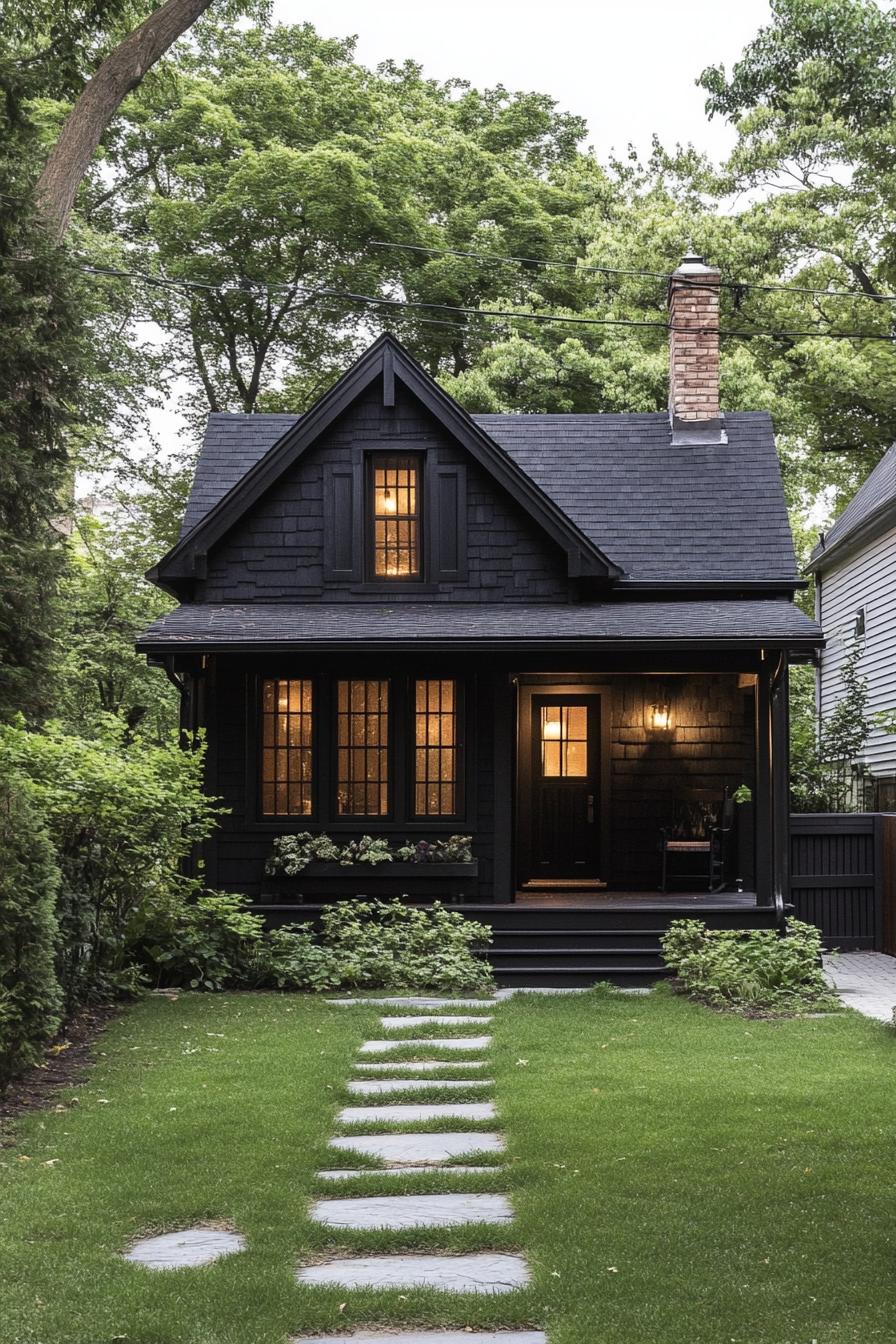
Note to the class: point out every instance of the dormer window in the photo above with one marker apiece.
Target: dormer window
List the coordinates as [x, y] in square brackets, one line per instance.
[395, 515]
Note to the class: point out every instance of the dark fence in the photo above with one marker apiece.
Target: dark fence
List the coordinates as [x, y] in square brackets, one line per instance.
[842, 872]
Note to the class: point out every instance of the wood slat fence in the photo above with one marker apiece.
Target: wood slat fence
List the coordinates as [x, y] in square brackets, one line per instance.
[843, 877]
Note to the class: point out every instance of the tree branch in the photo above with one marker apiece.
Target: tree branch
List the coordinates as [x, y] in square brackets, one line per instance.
[118, 75]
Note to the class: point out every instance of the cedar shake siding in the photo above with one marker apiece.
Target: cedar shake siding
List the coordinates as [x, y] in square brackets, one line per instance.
[280, 551]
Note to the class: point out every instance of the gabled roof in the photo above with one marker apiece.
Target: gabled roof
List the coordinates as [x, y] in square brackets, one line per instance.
[871, 509]
[751, 623]
[385, 360]
[693, 514]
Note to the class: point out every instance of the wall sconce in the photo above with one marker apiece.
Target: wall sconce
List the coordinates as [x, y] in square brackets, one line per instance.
[550, 729]
[660, 716]
[388, 503]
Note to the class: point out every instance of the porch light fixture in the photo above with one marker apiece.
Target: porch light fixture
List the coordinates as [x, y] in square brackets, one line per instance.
[660, 716]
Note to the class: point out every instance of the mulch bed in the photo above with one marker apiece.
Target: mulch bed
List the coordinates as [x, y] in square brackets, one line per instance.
[65, 1065]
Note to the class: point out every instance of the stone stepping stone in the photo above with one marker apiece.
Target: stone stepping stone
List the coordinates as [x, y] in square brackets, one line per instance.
[187, 1249]
[394, 1212]
[412, 1001]
[446, 1043]
[420, 1065]
[399, 1023]
[423, 1336]
[371, 1087]
[485, 1272]
[349, 1173]
[431, 1149]
[445, 1110]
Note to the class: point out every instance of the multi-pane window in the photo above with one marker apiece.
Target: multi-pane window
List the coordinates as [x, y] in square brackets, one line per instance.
[396, 516]
[287, 754]
[435, 748]
[564, 741]
[362, 748]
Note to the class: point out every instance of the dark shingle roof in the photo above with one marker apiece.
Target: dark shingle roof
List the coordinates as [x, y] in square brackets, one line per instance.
[744, 622]
[658, 511]
[872, 497]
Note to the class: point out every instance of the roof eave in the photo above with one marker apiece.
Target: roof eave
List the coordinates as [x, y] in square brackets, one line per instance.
[842, 547]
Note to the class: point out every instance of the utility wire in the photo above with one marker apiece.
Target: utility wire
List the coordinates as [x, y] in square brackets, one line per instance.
[573, 264]
[348, 296]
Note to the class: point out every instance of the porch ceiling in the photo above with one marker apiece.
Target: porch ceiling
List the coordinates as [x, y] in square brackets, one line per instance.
[736, 624]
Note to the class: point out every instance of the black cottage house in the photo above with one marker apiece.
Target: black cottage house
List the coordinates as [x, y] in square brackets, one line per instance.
[567, 636]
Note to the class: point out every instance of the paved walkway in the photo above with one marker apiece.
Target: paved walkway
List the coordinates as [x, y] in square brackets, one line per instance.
[865, 981]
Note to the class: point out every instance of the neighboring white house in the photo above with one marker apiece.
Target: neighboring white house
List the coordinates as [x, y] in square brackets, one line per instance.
[855, 572]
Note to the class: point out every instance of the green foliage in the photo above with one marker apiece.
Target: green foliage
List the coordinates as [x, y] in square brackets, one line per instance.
[106, 604]
[215, 943]
[30, 1000]
[387, 944]
[293, 853]
[822, 758]
[749, 969]
[211, 942]
[122, 817]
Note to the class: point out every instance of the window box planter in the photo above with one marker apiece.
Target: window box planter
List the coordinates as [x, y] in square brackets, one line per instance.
[449, 882]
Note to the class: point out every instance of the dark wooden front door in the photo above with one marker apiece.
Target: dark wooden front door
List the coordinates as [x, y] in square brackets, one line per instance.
[564, 788]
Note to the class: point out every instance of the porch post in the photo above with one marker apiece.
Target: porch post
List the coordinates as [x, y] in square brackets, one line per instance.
[780, 710]
[764, 789]
[503, 696]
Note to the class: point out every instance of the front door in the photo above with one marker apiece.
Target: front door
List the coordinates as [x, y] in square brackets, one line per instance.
[563, 783]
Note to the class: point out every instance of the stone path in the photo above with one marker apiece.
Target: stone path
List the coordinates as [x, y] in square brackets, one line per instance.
[429, 1337]
[865, 981]
[431, 1043]
[184, 1250]
[423, 1150]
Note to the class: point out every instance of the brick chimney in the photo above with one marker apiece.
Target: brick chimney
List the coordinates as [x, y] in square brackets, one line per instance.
[694, 353]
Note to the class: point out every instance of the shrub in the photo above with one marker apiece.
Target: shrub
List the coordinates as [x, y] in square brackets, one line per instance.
[122, 817]
[387, 944]
[30, 1000]
[749, 968]
[212, 942]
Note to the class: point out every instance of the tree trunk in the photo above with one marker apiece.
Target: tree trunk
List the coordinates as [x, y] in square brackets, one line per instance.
[119, 74]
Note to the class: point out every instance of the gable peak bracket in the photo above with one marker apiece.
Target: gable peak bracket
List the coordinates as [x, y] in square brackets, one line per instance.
[388, 377]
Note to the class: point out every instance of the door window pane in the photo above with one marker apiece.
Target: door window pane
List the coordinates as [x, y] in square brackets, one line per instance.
[435, 748]
[362, 745]
[286, 748]
[564, 741]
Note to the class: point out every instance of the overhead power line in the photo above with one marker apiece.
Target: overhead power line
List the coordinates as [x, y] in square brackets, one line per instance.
[576, 265]
[349, 296]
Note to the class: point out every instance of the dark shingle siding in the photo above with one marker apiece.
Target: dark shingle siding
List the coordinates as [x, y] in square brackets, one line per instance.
[659, 512]
[275, 553]
[322, 623]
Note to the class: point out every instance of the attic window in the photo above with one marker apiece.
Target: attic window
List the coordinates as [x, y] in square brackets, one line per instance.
[396, 516]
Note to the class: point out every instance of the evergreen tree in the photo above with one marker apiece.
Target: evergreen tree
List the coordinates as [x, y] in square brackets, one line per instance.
[29, 878]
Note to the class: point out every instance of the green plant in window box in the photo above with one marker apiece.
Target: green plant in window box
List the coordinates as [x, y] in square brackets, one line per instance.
[293, 853]
[366, 850]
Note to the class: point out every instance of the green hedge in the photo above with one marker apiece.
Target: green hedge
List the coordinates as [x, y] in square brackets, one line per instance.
[30, 998]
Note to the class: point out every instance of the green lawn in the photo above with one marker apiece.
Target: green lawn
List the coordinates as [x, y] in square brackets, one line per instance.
[680, 1177]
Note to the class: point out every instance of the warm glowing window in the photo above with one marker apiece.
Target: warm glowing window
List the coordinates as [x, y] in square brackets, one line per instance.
[362, 740]
[396, 517]
[286, 754]
[564, 741]
[435, 748]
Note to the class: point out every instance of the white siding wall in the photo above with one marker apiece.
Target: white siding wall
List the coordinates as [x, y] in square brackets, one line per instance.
[866, 579]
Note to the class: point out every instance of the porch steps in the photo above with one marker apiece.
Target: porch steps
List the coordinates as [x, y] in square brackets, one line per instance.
[571, 946]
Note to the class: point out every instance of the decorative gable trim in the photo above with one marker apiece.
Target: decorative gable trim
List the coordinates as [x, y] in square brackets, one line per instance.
[386, 359]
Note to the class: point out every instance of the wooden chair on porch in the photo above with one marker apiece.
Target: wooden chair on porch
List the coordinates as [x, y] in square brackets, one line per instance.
[699, 831]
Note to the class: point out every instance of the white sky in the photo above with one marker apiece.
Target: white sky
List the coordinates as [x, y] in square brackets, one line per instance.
[629, 68]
